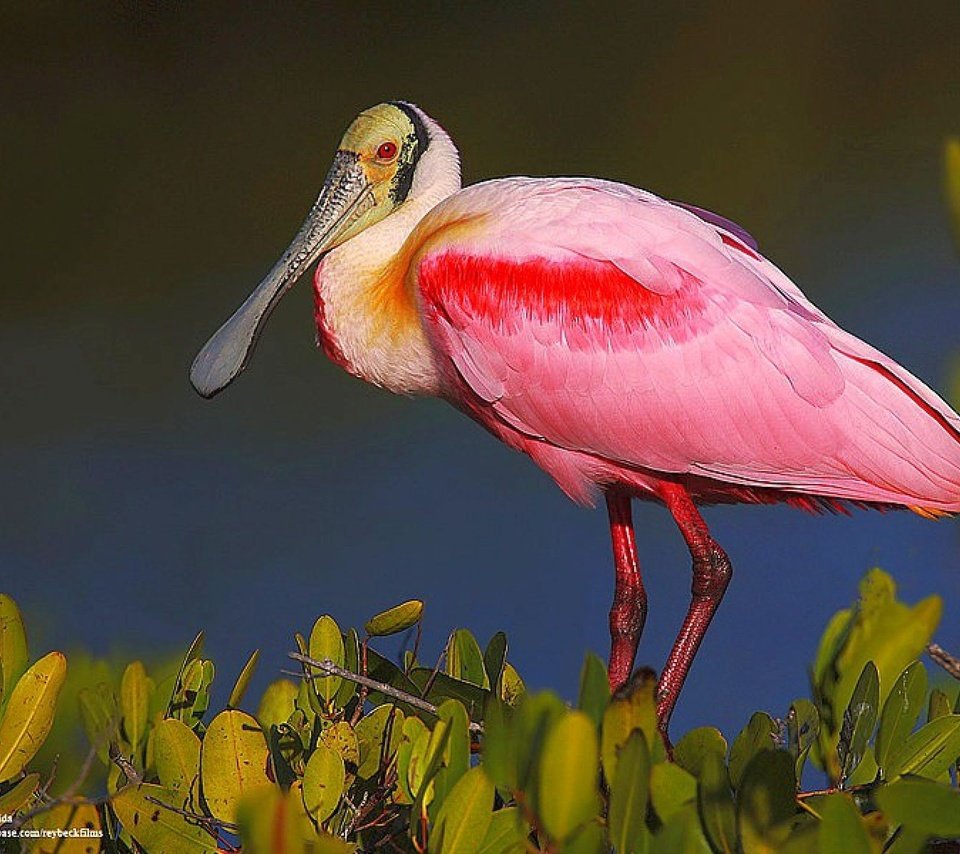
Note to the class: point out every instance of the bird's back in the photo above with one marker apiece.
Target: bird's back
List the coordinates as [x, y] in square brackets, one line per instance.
[616, 336]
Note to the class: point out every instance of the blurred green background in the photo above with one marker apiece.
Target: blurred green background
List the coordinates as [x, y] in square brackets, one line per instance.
[158, 156]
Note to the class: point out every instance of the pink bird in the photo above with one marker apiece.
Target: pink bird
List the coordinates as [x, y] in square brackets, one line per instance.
[631, 346]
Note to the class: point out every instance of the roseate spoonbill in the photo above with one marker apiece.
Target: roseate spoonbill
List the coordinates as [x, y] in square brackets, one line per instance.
[632, 346]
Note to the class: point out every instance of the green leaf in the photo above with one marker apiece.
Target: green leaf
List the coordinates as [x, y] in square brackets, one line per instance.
[671, 790]
[629, 795]
[682, 833]
[879, 629]
[456, 754]
[841, 828]
[243, 680]
[500, 749]
[382, 722]
[326, 642]
[443, 687]
[900, 712]
[13, 647]
[766, 801]
[413, 730]
[939, 705]
[399, 618]
[859, 719]
[233, 762]
[465, 815]
[803, 726]
[567, 796]
[143, 812]
[594, 688]
[351, 661]
[323, 783]
[715, 802]
[464, 659]
[691, 751]
[921, 804]
[136, 688]
[631, 708]
[930, 751]
[590, 839]
[494, 657]
[507, 833]
[759, 734]
[277, 703]
[176, 754]
[100, 715]
[533, 719]
[29, 713]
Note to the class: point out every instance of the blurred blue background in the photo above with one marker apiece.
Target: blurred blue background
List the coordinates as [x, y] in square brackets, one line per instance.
[158, 157]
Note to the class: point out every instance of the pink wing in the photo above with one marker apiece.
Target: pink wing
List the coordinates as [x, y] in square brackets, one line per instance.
[608, 323]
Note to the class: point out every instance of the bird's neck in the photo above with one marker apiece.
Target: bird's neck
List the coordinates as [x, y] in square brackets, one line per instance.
[367, 317]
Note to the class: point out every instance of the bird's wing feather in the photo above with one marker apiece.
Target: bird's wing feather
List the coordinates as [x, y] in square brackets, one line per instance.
[606, 321]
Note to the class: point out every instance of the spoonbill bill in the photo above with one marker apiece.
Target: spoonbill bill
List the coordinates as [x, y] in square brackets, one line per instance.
[633, 347]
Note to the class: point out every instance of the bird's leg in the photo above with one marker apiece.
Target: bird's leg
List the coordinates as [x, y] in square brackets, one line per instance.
[629, 611]
[711, 575]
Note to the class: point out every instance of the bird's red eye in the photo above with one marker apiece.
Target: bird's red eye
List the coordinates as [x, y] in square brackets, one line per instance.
[387, 151]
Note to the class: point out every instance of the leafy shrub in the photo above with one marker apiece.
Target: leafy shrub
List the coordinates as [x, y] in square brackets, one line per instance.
[360, 753]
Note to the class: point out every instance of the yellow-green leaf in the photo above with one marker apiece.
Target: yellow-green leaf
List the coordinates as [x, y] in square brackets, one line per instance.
[176, 755]
[323, 781]
[634, 708]
[465, 660]
[143, 812]
[922, 805]
[68, 817]
[371, 730]
[29, 713]
[15, 798]
[594, 688]
[342, 739]
[465, 815]
[766, 802]
[233, 761]
[691, 751]
[569, 765]
[243, 680]
[277, 703]
[841, 828]
[275, 822]
[629, 794]
[930, 751]
[671, 789]
[135, 691]
[900, 712]
[506, 834]
[326, 642]
[511, 685]
[13, 646]
[399, 618]
[759, 734]
[716, 804]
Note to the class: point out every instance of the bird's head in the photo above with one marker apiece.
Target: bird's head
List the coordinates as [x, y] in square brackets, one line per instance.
[374, 171]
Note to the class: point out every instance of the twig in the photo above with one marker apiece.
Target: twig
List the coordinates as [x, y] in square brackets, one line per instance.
[208, 823]
[68, 796]
[125, 765]
[948, 662]
[329, 668]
